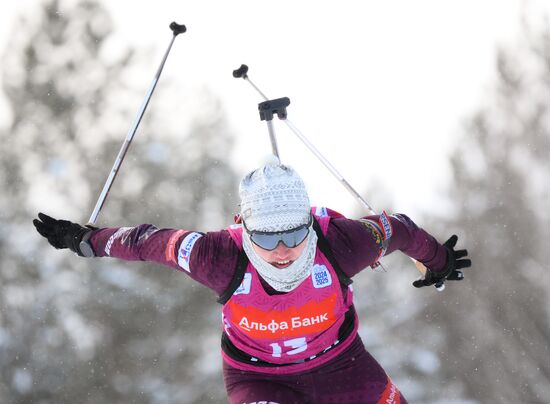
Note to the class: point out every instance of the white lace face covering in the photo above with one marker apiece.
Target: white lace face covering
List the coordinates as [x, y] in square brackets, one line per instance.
[289, 278]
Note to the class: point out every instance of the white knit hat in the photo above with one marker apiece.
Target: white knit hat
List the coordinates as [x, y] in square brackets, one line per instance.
[274, 198]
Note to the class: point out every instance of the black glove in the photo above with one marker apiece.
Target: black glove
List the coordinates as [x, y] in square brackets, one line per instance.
[62, 233]
[455, 262]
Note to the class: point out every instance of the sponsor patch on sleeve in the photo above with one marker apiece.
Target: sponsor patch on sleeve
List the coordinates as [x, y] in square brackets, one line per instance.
[186, 247]
[386, 225]
[374, 229]
[388, 231]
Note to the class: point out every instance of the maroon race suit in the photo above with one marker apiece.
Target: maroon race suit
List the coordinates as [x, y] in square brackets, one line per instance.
[342, 372]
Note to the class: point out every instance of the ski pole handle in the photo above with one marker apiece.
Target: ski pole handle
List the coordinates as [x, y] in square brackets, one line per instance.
[240, 72]
[177, 28]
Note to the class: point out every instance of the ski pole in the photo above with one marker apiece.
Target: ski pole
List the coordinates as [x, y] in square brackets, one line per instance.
[242, 72]
[176, 29]
[278, 106]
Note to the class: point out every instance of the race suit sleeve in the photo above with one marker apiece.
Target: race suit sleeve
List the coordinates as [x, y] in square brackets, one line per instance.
[209, 258]
[357, 244]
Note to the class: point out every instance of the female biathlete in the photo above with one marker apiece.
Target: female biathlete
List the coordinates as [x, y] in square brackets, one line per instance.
[283, 276]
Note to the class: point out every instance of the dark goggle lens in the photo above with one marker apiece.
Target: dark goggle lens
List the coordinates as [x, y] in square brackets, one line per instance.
[270, 241]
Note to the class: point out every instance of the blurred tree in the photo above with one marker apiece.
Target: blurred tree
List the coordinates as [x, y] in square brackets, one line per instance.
[496, 322]
[89, 331]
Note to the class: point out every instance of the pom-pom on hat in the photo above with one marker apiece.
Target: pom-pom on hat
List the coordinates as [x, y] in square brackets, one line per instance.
[274, 198]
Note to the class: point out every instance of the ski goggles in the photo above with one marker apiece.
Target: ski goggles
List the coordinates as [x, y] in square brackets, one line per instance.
[270, 240]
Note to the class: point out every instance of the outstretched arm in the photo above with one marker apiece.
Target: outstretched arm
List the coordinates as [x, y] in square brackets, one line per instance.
[209, 258]
[357, 244]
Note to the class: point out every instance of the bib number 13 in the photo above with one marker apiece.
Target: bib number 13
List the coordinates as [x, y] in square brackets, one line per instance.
[298, 345]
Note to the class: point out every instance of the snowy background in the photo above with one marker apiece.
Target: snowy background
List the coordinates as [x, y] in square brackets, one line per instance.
[434, 109]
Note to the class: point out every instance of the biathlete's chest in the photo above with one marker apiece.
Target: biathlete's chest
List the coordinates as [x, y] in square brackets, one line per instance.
[311, 308]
